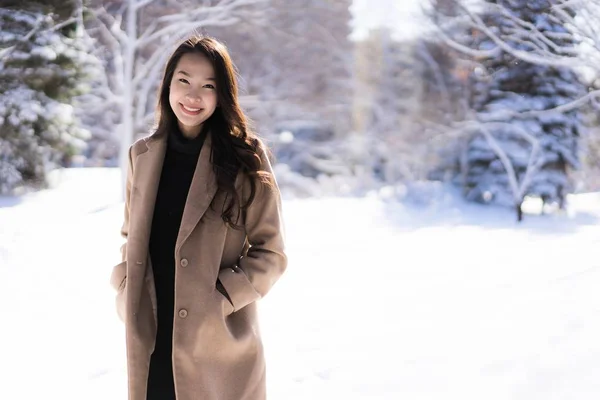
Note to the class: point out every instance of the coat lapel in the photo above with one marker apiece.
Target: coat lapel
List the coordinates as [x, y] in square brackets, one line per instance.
[202, 191]
[148, 168]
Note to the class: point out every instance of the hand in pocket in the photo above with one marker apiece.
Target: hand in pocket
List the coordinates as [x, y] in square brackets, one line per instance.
[227, 299]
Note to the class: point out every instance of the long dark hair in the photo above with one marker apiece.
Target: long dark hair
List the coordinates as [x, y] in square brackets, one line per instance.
[234, 146]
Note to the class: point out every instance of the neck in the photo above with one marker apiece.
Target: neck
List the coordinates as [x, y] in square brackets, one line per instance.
[181, 144]
[190, 132]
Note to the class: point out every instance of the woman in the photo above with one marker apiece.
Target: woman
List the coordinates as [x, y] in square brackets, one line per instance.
[204, 238]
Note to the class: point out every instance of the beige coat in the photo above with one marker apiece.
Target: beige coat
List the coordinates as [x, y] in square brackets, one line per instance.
[217, 350]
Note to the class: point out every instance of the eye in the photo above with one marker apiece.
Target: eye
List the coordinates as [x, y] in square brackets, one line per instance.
[209, 85]
[182, 80]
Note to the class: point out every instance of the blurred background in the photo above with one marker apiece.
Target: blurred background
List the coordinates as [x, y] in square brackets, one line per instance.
[498, 98]
[439, 161]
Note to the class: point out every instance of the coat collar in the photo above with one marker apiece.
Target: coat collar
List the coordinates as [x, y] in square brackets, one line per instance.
[148, 169]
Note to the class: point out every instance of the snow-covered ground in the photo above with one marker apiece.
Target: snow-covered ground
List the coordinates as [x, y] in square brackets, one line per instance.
[381, 300]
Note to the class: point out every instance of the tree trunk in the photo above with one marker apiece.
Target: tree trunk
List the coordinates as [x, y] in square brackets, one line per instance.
[128, 95]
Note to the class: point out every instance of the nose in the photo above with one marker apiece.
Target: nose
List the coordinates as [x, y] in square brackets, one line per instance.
[193, 97]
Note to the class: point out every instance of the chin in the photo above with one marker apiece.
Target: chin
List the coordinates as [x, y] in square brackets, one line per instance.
[187, 121]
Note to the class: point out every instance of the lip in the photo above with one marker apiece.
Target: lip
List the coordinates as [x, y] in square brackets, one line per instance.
[189, 112]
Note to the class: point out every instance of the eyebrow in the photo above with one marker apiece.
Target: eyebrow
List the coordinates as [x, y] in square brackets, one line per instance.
[182, 72]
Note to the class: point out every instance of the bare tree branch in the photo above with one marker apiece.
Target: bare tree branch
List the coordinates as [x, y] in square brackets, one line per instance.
[134, 72]
[65, 23]
[4, 53]
[112, 24]
[518, 189]
[543, 47]
[465, 49]
[151, 77]
[507, 115]
[435, 68]
[205, 16]
[527, 56]
[141, 4]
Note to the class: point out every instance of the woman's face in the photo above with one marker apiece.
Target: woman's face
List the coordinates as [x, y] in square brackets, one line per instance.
[193, 93]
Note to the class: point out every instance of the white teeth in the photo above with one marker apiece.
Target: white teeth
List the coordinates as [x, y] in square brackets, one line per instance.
[191, 109]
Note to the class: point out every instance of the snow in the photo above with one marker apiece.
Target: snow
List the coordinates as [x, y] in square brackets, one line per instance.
[39, 128]
[44, 52]
[404, 18]
[382, 299]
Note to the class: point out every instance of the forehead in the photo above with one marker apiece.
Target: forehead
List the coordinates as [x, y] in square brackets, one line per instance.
[196, 65]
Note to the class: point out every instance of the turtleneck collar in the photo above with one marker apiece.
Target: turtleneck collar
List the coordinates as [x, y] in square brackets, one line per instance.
[176, 141]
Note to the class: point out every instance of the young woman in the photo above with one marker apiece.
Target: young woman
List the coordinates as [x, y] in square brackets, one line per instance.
[204, 239]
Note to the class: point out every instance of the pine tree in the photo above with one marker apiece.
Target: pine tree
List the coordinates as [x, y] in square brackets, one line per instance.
[507, 84]
[42, 63]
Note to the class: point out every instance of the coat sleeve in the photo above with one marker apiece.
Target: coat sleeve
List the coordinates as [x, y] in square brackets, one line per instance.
[266, 259]
[119, 272]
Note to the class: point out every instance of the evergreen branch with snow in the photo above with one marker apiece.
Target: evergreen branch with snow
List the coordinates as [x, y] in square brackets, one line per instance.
[528, 93]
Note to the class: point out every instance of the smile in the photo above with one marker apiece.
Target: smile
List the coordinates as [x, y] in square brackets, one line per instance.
[190, 111]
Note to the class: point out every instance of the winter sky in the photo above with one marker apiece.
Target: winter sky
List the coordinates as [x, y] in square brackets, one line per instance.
[403, 17]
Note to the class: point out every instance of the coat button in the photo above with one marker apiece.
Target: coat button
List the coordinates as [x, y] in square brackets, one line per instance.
[183, 313]
[184, 262]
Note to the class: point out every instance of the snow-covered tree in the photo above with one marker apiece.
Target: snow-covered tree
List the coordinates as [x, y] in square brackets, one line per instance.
[42, 65]
[586, 24]
[391, 88]
[312, 64]
[541, 149]
[135, 39]
[295, 63]
[526, 98]
[296, 79]
[404, 85]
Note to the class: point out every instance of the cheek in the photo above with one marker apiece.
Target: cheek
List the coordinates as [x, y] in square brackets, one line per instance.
[213, 99]
[173, 97]
[172, 91]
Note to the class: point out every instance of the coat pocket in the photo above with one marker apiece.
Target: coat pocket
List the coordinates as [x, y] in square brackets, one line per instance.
[118, 277]
[226, 306]
[118, 280]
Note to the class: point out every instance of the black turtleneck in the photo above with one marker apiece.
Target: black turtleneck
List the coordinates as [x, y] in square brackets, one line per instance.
[178, 169]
